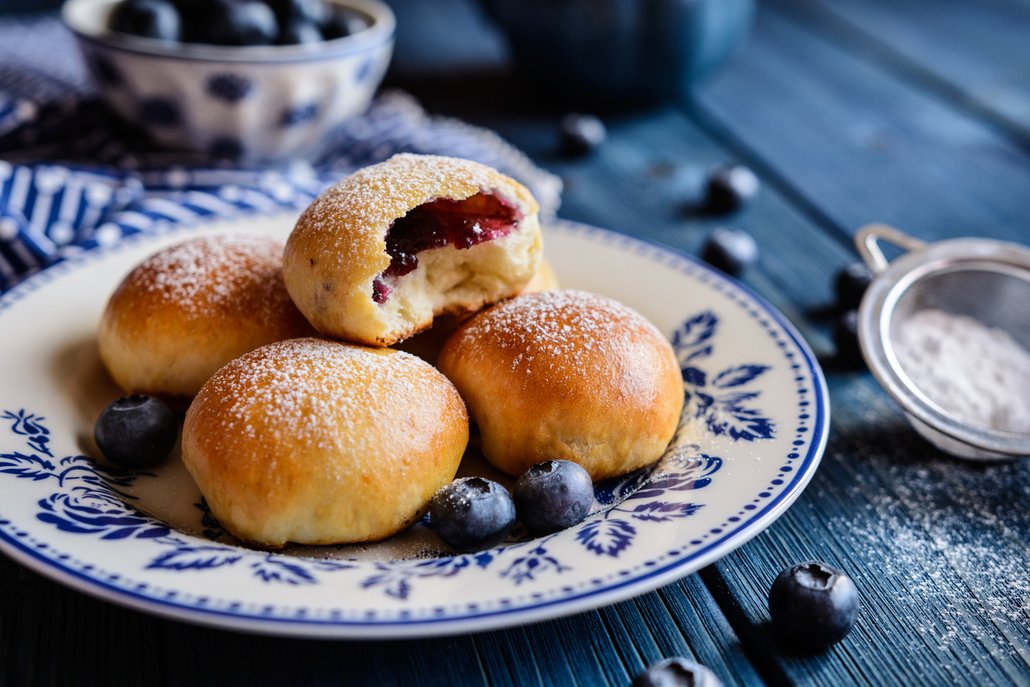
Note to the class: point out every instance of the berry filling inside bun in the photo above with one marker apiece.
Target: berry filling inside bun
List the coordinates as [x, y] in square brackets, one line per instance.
[439, 223]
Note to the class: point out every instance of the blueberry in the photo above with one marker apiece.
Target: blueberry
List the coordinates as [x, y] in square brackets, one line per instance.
[580, 134]
[342, 23]
[149, 18]
[136, 431]
[813, 605]
[245, 22]
[729, 188]
[851, 283]
[299, 32]
[677, 672]
[730, 250]
[553, 495]
[313, 11]
[845, 338]
[472, 513]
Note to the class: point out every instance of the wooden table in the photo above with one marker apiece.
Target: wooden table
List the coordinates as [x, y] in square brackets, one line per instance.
[915, 113]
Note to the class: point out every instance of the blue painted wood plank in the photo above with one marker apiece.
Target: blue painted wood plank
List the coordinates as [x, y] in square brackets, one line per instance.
[975, 53]
[863, 145]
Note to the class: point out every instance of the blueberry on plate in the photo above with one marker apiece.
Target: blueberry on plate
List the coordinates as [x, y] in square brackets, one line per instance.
[148, 18]
[729, 188]
[845, 338]
[245, 22]
[472, 513]
[851, 283]
[581, 133]
[341, 23]
[553, 495]
[730, 250]
[136, 431]
[813, 605]
[677, 672]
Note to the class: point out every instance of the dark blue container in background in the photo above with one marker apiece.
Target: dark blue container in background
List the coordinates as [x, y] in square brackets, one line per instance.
[622, 49]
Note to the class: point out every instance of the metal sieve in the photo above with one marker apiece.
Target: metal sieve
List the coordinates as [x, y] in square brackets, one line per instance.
[981, 278]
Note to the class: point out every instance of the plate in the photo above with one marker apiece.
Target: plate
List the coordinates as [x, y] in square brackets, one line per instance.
[753, 430]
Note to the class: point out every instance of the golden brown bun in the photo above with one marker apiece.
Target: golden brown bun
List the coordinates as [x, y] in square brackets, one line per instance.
[570, 375]
[190, 308]
[337, 254]
[318, 442]
[427, 344]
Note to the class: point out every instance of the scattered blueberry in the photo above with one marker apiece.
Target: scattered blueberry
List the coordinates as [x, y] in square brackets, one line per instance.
[342, 23]
[580, 134]
[851, 283]
[299, 32]
[553, 495]
[148, 18]
[245, 22]
[813, 605]
[677, 672]
[729, 188]
[136, 431]
[730, 250]
[472, 513]
[845, 338]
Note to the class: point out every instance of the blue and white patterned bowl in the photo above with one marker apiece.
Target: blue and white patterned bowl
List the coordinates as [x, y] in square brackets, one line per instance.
[254, 103]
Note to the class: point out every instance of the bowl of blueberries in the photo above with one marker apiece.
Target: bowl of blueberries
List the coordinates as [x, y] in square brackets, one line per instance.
[254, 81]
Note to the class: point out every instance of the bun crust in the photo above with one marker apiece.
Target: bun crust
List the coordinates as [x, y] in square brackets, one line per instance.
[190, 308]
[337, 256]
[318, 442]
[566, 374]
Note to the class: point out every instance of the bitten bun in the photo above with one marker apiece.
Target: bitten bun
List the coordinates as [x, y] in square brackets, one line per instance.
[570, 375]
[190, 308]
[378, 255]
[318, 442]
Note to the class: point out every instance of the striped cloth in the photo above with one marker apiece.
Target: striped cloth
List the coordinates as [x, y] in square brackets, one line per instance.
[70, 178]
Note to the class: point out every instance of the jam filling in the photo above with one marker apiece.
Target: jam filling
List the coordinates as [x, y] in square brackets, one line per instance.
[439, 223]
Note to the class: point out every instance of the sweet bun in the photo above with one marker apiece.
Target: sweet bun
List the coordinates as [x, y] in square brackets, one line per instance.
[378, 255]
[190, 308]
[319, 442]
[570, 375]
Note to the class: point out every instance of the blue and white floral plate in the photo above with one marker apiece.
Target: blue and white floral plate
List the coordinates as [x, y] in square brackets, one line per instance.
[754, 428]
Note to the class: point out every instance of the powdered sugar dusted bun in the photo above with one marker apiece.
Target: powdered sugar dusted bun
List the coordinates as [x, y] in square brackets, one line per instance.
[570, 375]
[190, 308]
[377, 256]
[319, 442]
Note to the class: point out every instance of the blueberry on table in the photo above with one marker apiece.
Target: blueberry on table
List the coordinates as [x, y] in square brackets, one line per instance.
[729, 188]
[813, 605]
[553, 495]
[472, 513]
[845, 338]
[238, 23]
[581, 134]
[136, 431]
[730, 250]
[149, 18]
[851, 283]
[677, 672]
[341, 23]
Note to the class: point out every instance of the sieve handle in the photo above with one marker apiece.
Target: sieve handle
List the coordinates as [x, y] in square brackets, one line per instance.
[868, 238]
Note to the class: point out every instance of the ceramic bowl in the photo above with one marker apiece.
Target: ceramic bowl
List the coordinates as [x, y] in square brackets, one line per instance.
[252, 103]
[619, 49]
